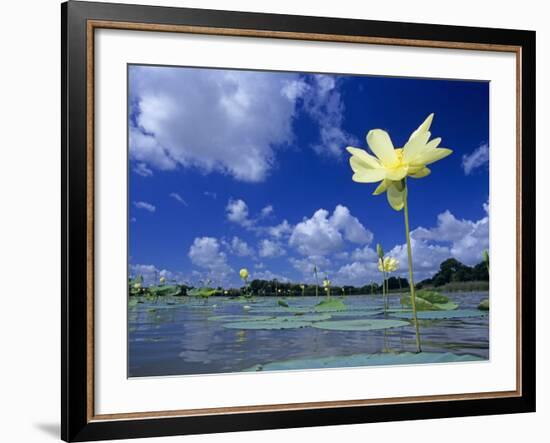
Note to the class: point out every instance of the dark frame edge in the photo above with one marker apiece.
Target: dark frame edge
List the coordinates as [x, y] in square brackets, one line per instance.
[74, 420]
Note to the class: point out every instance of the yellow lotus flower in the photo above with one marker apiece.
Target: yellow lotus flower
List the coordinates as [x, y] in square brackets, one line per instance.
[243, 273]
[162, 280]
[137, 285]
[389, 264]
[326, 283]
[390, 166]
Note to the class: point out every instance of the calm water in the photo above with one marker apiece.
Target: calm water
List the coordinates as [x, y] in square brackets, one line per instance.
[175, 336]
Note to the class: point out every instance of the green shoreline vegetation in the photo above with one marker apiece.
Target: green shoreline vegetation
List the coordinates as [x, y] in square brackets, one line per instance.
[453, 276]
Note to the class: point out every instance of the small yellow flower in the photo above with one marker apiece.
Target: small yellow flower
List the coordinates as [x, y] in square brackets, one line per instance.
[390, 166]
[389, 264]
[326, 283]
[162, 280]
[243, 273]
[137, 285]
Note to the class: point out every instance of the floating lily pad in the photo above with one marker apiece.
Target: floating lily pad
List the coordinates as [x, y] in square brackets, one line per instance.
[484, 305]
[359, 325]
[281, 310]
[357, 360]
[308, 317]
[425, 305]
[230, 318]
[358, 313]
[330, 304]
[278, 323]
[282, 303]
[437, 315]
[432, 296]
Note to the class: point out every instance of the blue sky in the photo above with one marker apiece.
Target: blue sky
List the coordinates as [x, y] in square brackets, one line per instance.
[232, 169]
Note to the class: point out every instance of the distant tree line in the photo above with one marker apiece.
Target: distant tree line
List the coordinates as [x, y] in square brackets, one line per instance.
[452, 271]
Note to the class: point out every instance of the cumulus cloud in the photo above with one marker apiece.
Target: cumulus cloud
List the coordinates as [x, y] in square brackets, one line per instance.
[306, 266]
[237, 212]
[178, 198]
[239, 247]
[214, 120]
[364, 254]
[217, 120]
[357, 273]
[144, 205]
[266, 211]
[269, 248]
[206, 253]
[281, 230]
[476, 159]
[465, 239]
[323, 234]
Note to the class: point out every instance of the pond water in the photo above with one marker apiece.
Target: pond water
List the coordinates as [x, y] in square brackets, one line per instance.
[186, 335]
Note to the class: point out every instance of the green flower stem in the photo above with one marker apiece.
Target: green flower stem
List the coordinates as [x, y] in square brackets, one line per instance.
[409, 254]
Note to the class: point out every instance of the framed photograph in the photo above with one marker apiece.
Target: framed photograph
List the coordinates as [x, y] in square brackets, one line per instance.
[277, 221]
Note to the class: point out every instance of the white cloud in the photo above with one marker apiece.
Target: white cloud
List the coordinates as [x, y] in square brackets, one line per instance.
[266, 211]
[281, 230]
[476, 159]
[144, 205]
[237, 212]
[323, 102]
[357, 273]
[239, 247]
[466, 239]
[178, 198]
[151, 274]
[205, 252]
[268, 248]
[307, 265]
[352, 228]
[268, 275]
[143, 170]
[365, 254]
[212, 195]
[426, 258]
[215, 120]
[322, 235]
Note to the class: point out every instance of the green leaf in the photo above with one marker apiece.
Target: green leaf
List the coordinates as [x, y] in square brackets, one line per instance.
[360, 325]
[282, 303]
[279, 323]
[238, 318]
[330, 304]
[484, 305]
[359, 360]
[437, 315]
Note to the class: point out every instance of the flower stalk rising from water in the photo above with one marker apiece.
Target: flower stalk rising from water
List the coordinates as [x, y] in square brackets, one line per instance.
[386, 265]
[391, 166]
[326, 285]
[243, 273]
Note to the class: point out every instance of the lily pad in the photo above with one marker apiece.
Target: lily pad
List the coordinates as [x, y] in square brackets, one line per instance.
[425, 305]
[358, 360]
[432, 296]
[278, 323]
[330, 304]
[484, 305]
[437, 315]
[230, 318]
[358, 313]
[359, 325]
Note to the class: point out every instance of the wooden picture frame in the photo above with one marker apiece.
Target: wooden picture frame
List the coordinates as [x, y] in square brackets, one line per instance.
[79, 22]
